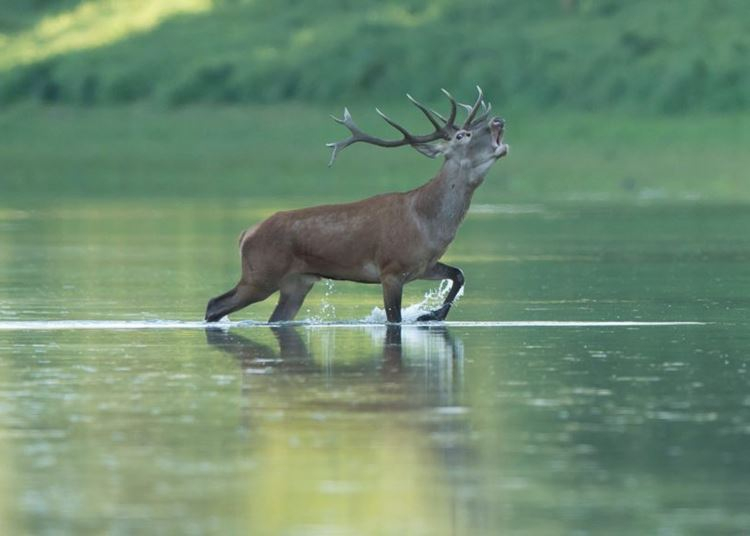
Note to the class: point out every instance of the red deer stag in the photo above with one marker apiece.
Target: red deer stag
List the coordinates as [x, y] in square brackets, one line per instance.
[391, 239]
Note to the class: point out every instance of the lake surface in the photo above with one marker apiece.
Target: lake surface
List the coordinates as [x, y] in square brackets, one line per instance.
[592, 379]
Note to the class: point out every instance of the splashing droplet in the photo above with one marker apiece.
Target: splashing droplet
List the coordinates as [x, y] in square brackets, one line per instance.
[432, 299]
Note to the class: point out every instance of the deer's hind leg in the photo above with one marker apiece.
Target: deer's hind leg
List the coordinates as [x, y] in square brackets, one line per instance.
[294, 288]
[240, 296]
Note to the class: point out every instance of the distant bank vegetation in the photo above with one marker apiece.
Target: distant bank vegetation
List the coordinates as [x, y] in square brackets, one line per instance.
[691, 55]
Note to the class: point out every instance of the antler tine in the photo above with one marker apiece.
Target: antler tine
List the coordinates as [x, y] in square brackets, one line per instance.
[474, 109]
[439, 116]
[486, 108]
[335, 148]
[428, 113]
[357, 135]
[402, 130]
[454, 109]
[411, 139]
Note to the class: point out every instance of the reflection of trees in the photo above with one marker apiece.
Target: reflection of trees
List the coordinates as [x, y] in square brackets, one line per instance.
[359, 445]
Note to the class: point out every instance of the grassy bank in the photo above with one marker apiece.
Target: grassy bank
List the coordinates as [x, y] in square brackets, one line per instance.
[278, 151]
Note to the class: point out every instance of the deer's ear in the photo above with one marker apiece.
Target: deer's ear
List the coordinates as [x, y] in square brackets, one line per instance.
[431, 150]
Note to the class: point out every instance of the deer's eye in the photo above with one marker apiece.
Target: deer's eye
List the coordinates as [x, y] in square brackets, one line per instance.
[459, 135]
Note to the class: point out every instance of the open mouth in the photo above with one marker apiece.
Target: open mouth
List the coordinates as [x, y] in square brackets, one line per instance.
[497, 130]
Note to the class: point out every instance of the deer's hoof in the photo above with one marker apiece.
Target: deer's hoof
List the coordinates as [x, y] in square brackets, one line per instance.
[436, 315]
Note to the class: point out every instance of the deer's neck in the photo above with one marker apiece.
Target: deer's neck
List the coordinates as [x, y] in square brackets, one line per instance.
[442, 203]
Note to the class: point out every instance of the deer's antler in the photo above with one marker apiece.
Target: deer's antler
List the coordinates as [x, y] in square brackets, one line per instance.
[486, 109]
[441, 131]
[473, 109]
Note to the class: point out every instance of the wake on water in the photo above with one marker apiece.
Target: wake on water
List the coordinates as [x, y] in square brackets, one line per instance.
[377, 318]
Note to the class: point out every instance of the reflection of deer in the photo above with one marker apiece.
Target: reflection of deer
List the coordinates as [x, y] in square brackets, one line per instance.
[374, 425]
[390, 239]
[293, 353]
[294, 357]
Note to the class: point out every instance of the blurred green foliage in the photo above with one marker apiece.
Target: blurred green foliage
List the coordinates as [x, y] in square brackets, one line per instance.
[584, 85]
[17, 15]
[584, 54]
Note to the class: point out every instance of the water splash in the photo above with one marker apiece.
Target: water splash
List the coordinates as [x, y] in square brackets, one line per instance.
[327, 311]
[432, 300]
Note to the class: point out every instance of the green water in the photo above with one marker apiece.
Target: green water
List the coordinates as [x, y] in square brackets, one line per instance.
[355, 429]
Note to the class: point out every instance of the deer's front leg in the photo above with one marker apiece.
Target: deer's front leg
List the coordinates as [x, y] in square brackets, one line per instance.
[393, 288]
[439, 272]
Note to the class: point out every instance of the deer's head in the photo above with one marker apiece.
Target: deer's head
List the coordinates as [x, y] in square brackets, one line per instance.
[476, 144]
